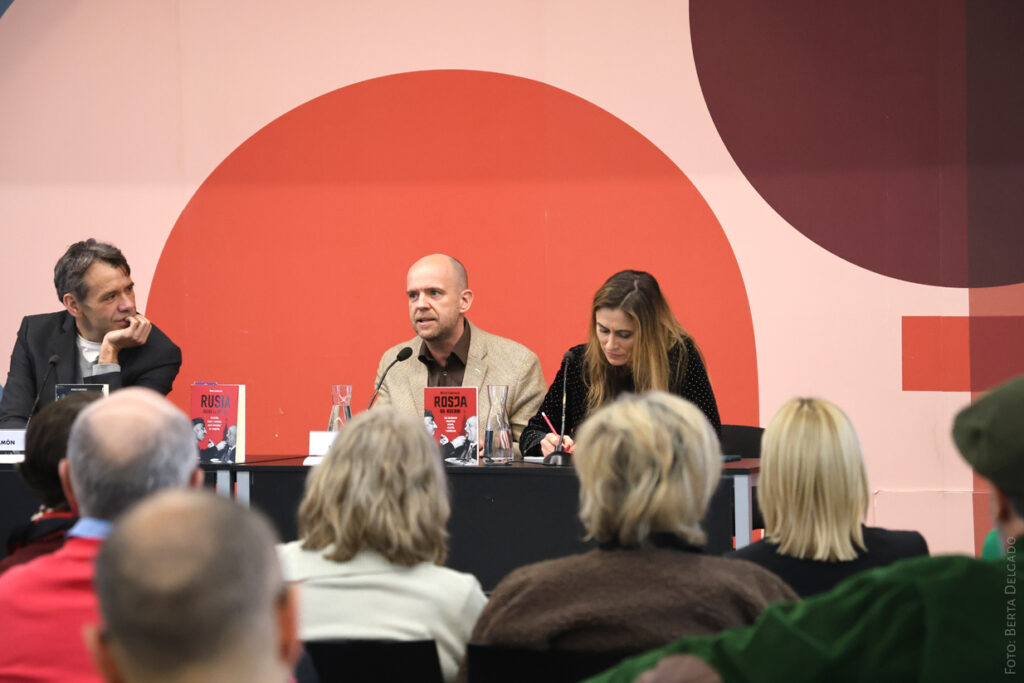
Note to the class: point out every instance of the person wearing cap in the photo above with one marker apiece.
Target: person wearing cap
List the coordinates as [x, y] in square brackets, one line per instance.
[949, 618]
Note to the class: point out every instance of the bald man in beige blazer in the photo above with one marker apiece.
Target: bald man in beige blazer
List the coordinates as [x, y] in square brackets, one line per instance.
[449, 351]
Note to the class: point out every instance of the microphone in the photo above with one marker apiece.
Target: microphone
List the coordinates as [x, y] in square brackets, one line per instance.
[52, 363]
[560, 456]
[404, 353]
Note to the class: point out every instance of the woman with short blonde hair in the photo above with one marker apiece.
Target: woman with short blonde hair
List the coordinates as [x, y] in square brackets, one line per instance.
[813, 495]
[648, 466]
[373, 532]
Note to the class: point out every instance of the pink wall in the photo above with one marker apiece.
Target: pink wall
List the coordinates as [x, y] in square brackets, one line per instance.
[116, 112]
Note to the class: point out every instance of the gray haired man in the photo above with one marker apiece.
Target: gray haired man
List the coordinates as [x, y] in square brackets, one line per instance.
[121, 449]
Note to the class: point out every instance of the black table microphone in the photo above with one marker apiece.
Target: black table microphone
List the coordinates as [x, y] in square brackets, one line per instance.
[561, 457]
[54, 359]
[404, 353]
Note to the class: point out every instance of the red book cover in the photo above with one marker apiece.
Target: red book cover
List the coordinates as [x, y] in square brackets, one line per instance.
[450, 416]
[218, 422]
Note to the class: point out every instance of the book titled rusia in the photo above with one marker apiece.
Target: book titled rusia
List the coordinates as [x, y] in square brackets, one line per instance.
[450, 416]
[218, 421]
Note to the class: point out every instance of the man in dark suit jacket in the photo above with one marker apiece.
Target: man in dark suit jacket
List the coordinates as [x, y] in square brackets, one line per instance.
[100, 337]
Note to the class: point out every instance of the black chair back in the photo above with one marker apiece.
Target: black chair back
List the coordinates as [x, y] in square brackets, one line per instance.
[741, 440]
[498, 664]
[745, 441]
[366, 661]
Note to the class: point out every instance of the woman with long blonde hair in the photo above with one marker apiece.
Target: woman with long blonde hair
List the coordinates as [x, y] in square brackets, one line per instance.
[813, 494]
[635, 343]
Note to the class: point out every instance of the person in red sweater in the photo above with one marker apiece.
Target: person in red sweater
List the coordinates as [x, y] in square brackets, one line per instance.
[121, 449]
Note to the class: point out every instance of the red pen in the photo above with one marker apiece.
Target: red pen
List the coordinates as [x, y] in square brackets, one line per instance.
[553, 430]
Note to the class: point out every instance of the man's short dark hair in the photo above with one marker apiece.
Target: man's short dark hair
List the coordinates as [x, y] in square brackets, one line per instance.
[198, 421]
[428, 413]
[46, 444]
[69, 273]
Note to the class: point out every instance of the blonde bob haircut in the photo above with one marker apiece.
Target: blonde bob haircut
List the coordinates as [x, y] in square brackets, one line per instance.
[381, 487]
[647, 464]
[814, 487]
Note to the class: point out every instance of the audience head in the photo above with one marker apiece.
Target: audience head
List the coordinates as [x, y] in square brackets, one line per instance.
[990, 435]
[381, 487]
[647, 464]
[814, 486]
[46, 444]
[189, 583]
[632, 327]
[123, 448]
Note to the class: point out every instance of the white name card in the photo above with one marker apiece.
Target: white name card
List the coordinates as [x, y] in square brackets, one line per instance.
[12, 440]
[320, 442]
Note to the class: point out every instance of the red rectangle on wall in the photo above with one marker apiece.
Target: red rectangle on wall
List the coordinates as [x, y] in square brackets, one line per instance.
[997, 350]
[936, 353]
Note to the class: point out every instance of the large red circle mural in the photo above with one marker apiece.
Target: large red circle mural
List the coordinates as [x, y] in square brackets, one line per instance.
[286, 270]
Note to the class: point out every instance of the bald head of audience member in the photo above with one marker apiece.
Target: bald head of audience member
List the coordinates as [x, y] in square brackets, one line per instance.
[123, 448]
[190, 589]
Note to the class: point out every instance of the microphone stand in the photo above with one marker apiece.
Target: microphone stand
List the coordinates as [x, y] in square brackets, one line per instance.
[402, 355]
[561, 457]
[52, 363]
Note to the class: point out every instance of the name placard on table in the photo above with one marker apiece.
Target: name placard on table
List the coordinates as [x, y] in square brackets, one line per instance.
[319, 444]
[12, 445]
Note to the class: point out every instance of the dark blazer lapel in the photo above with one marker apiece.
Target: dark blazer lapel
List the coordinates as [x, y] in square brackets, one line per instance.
[65, 344]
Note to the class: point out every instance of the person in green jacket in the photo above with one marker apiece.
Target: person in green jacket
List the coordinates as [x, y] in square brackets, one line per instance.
[946, 618]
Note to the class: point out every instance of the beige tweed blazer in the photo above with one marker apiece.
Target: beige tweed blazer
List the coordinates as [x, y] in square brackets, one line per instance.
[492, 360]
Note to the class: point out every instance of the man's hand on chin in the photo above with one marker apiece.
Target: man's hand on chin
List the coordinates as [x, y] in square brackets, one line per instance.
[135, 334]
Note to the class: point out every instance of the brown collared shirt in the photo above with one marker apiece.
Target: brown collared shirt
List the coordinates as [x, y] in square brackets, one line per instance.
[450, 374]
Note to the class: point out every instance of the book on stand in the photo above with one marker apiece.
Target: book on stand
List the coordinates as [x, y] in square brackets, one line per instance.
[218, 421]
[450, 416]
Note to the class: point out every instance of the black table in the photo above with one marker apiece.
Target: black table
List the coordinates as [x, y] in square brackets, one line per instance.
[502, 517]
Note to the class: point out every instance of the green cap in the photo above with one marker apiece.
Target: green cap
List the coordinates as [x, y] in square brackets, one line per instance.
[990, 435]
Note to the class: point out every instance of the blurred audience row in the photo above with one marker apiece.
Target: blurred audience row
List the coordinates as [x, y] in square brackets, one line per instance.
[186, 586]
